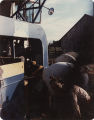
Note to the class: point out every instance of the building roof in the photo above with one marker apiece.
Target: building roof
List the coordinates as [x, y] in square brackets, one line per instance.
[80, 38]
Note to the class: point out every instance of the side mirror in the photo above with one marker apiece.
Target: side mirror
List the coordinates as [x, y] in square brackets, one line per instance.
[51, 11]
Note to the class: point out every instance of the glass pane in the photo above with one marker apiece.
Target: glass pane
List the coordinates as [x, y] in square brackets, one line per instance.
[32, 12]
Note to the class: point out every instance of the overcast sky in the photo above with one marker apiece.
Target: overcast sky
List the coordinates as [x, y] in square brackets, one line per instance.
[67, 13]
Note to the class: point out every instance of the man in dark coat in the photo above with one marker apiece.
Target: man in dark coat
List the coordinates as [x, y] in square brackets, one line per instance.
[63, 76]
[63, 70]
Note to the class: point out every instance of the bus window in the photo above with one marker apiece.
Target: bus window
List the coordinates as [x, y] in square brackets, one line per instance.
[37, 51]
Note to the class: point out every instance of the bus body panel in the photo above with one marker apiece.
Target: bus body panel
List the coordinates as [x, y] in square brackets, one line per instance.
[11, 75]
[15, 28]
